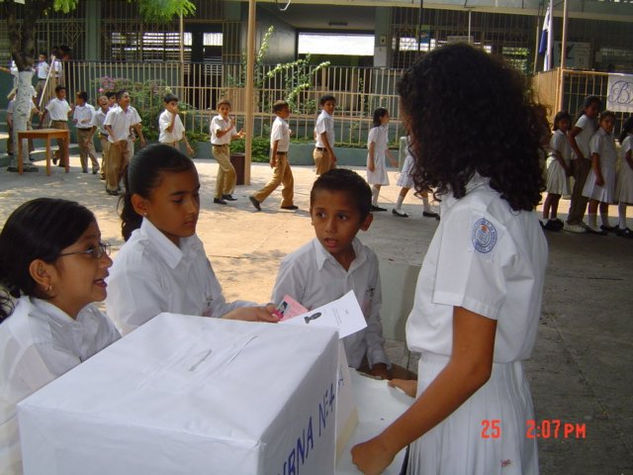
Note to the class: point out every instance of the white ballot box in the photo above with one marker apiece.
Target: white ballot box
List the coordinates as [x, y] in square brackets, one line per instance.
[190, 395]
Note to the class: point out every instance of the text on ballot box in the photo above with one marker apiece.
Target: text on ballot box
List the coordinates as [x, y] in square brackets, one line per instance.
[190, 395]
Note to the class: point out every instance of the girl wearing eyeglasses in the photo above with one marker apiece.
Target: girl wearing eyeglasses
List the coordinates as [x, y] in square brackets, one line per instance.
[52, 268]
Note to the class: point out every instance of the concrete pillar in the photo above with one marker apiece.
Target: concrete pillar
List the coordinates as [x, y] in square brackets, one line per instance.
[93, 30]
[382, 43]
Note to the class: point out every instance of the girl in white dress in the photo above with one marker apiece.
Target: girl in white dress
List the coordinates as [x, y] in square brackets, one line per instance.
[377, 143]
[478, 296]
[624, 191]
[558, 169]
[52, 267]
[600, 184]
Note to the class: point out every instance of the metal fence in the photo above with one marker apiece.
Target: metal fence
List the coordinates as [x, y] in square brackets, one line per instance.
[358, 91]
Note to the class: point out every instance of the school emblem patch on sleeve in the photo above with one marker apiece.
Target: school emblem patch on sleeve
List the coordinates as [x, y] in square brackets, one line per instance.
[484, 236]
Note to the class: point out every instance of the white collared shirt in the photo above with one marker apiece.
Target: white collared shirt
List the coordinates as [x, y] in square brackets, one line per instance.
[324, 123]
[121, 120]
[42, 69]
[280, 131]
[559, 143]
[176, 133]
[313, 277]
[98, 119]
[151, 275]
[40, 343]
[58, 110]
[217, 124]
[379, 136]
[84, 116]
[488, 259]
[583, 138]
[603, 144]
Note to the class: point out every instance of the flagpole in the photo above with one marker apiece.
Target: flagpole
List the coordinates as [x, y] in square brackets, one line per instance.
[563, 57]
[550, 37]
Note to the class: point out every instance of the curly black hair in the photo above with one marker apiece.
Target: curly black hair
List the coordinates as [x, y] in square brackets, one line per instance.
[468, 111]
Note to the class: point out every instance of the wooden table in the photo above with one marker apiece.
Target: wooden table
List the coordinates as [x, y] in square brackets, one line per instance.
[48, 135]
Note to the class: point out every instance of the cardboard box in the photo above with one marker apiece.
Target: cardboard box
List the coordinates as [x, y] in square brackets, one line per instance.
[190, 395]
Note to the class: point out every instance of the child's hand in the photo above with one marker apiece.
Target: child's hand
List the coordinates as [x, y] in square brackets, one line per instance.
[409, 386]
[599, 179]
[273, 162]
[371, 457]
[380, 371]
[190, 150]
[253, 314]
[371, 166]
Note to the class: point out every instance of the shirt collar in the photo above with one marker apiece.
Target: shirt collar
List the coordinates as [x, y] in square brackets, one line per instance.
[322, 255]
[54, 314]
[475, 182]
[171, 253]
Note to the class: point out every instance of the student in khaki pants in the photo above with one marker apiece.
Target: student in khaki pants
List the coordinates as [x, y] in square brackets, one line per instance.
[323, 154]
[223, 131]
[99, 119]
[282, 174]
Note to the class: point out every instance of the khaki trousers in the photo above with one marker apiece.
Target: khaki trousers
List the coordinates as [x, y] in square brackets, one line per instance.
[87, 149]
[118, 160]
[225, 182]
[578, 202]
[61, 143]
[281, 174]
[105, 151]
[323, 161]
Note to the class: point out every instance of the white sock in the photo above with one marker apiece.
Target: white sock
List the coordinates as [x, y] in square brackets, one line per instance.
[425, 204]
[375, 191]
[604, 218]
[622, 215]
[592, 220]
[399, 202]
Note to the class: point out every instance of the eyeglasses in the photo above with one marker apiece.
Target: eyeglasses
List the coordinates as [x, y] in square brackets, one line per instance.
[102, 249]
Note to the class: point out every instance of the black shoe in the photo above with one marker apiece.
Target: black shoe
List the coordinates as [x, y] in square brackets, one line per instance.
[401, 214]
[55, 159]
[626, 232]
[219, 201]
[608, 229]
[290, 207]
[430, 214]
[94, 172]
[113, 192]
[551, 225]
[228, 198]
[255, 203]
[377, 208]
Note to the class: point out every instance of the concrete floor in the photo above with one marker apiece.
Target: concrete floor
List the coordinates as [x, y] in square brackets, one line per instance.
[581, 371]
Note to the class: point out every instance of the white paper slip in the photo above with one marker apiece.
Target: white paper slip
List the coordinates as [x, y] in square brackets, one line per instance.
[344, 314]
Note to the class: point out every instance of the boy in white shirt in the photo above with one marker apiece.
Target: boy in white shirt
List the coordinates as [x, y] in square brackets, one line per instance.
[83, 118]
[279, 144]
[222, 130]
[324, 156]
[336, 262]
[98, 120]
[172, 130]
[118, 122]
[58, 109]
[41, 69]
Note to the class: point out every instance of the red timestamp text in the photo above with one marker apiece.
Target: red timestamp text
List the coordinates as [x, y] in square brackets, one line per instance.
[555, 429]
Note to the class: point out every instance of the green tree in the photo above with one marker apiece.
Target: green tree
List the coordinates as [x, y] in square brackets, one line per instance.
[22, 40]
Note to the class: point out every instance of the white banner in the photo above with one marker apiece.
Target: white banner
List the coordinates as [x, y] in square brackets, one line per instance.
[620, 93]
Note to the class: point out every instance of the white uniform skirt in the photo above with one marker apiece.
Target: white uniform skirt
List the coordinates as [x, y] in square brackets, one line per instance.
[624, 191]
[406, 178]
[466, 442]
[603, 194]
[557, 182]
[379, 175]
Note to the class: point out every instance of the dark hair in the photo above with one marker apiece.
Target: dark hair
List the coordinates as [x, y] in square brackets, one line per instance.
[561, 115]
[379, 114]
[606, 113]
[345, 181]
[169, 97]
[110, 94]
[458, 84]
[60, 88]
[38, 229]
[144, 174]
[586, 103]
[627, 128]
[120, 93]
[223, 101]
[83, 95]
[280, 105]
[325, 98]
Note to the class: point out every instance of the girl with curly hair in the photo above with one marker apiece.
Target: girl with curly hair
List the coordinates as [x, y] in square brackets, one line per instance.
[478, 295]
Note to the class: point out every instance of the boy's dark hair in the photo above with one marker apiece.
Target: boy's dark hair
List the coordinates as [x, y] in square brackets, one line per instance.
[325, 98]
[144, 174]
[561, 115]
[60, 88]
[169, 97]
[280, 105]
[38, 229]
[120, 93]
[458, 84]
[223, 101]
[379, 114]
[83, 95]
[606, 113]
[345, 181]
[627, 128]
[43, 54]
[110, 94]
